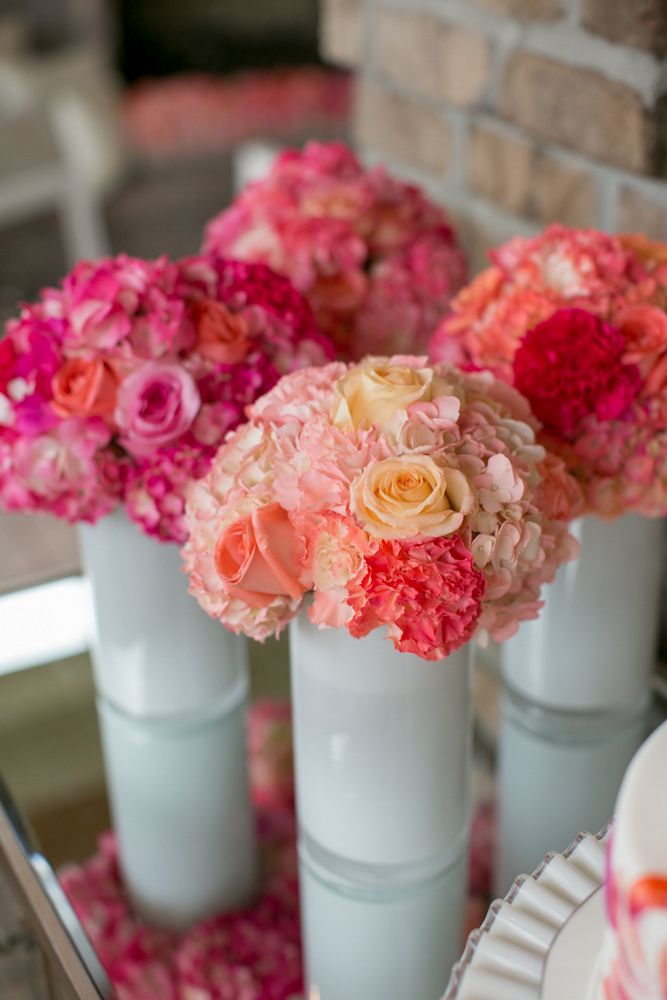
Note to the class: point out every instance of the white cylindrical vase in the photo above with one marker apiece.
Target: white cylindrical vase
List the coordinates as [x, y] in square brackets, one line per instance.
[172, 692]
[578, 686]
[382, 755]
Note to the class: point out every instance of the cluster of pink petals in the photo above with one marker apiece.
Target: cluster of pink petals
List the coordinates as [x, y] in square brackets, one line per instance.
[196, 112]
[577, 320]
[247, 955]
[118, 386]
[278, 514]
[377, 261]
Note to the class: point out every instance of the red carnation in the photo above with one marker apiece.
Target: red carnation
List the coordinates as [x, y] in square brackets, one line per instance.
[570, 366]
[428, 592]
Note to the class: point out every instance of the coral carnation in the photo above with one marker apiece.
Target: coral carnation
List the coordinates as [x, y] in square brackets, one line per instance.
[429, 593]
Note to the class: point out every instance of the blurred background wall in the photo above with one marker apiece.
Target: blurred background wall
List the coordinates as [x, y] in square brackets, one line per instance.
[515, 113]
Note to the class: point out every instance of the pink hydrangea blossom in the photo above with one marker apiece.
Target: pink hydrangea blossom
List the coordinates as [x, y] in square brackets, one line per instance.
[417, 498]
[118, 386]
[377, 261]
[577, 320]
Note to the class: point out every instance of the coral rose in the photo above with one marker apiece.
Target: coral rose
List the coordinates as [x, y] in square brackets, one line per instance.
[84, 387]
[222, 335]
[410, 495]
[156, 405]
[371, 393]
[255, 556]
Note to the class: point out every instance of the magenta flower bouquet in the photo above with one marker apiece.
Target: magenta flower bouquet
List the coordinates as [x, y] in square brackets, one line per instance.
[376, 259]
[118, 386]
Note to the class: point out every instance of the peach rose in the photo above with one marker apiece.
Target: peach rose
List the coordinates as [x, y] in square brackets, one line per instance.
[372, 392]
[411, 495]
[256, 557]
[84, 387]
[222, 335]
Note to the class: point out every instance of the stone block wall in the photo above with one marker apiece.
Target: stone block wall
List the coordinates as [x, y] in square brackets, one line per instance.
[514, 113]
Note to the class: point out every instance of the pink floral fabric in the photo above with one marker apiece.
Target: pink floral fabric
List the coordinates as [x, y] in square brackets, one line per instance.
[118, 386]
[577, 321]
[400, 494]
[376, 259]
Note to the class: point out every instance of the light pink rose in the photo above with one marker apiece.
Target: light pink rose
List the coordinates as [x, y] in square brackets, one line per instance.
[256, 557]
[156, 404]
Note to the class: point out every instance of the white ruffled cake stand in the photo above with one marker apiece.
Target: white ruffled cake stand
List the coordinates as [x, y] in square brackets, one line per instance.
[543, 941]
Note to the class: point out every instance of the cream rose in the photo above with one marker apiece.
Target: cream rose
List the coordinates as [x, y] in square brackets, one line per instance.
[372, 392]
[410, 495]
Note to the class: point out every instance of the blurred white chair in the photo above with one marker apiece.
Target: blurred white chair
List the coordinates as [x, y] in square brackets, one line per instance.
[60, 143]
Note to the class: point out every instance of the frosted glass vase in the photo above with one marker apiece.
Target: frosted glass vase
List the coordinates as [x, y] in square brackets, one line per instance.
[577, 685]
[382, 753]
[172, 691]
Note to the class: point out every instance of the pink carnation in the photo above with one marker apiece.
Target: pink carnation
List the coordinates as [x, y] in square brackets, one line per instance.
[428, 593]
[377, 261]
[570, 366]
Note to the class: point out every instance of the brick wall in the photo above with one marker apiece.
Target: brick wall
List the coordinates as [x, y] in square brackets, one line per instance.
[514, 113]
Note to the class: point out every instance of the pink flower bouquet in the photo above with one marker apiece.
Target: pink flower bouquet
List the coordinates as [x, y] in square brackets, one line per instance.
[377, 261]
[118, 386]
[577, 321]
[400, 493]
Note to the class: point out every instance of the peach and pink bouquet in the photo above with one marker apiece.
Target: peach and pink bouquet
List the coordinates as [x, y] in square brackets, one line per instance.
[118, 386]
[399, 493]
[577, 321]
[376, 259]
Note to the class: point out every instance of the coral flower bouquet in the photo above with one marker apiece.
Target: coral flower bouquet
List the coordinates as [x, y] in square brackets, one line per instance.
[390, 499]
[118, 386]
[398, 492]
[577, 321]
[377, 260]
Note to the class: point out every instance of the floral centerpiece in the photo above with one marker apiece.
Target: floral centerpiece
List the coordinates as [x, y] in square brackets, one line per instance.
[376, 259]
[118, 386]
[577, 321]
[409, 501]
[401, 493]
[115, 391]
